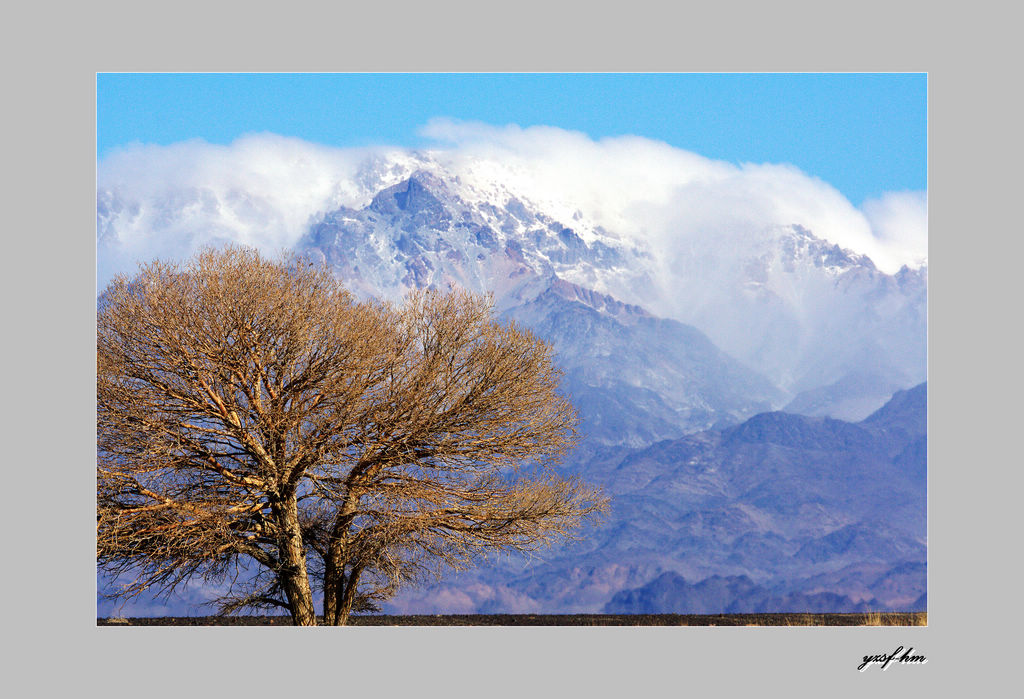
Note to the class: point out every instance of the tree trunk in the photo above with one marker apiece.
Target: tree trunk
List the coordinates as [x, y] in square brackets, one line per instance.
[335, 583]
[293, 575]
[331, 582]
[343, 606]
[339, 593]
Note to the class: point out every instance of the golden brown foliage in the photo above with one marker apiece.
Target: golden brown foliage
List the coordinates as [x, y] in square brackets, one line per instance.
[254, 410]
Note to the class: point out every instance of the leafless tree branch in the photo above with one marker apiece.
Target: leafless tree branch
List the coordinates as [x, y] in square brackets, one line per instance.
[252, 409]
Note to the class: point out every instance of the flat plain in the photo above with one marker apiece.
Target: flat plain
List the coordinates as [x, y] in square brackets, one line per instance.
[782, 619]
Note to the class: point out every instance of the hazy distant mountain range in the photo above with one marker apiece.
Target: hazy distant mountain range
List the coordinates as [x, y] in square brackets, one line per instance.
[680, 370]
[767, 515]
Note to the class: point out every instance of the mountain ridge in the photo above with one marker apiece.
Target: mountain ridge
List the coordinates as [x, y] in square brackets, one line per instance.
[795, 519]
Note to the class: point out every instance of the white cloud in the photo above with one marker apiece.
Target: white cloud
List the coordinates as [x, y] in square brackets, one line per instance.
[658, 193]
[262, 190]
[899, 221]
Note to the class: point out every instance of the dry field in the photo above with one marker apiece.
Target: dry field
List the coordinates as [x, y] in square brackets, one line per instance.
[869, 619]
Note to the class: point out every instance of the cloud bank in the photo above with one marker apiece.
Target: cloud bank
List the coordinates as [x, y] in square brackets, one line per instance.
[658, 193]
[899, 220]
[263, 190]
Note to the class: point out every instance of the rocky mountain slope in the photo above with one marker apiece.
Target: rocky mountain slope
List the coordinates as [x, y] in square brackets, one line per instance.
[780, 511]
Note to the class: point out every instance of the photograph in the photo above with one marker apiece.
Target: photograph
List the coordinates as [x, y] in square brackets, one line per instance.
[513, 349]
[542, 350]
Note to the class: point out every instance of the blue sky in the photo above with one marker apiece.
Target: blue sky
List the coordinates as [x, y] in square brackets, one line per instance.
[865, 134]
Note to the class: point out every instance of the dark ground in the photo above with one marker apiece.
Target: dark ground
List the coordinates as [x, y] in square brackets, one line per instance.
[883, 619]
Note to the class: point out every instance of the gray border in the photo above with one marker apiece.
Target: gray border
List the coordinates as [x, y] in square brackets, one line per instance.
[50, 128]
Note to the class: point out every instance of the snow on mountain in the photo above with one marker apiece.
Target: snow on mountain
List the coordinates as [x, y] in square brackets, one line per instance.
[432, 231]
[803, 312]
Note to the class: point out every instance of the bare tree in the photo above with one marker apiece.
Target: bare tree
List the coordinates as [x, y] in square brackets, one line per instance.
[256, 424]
